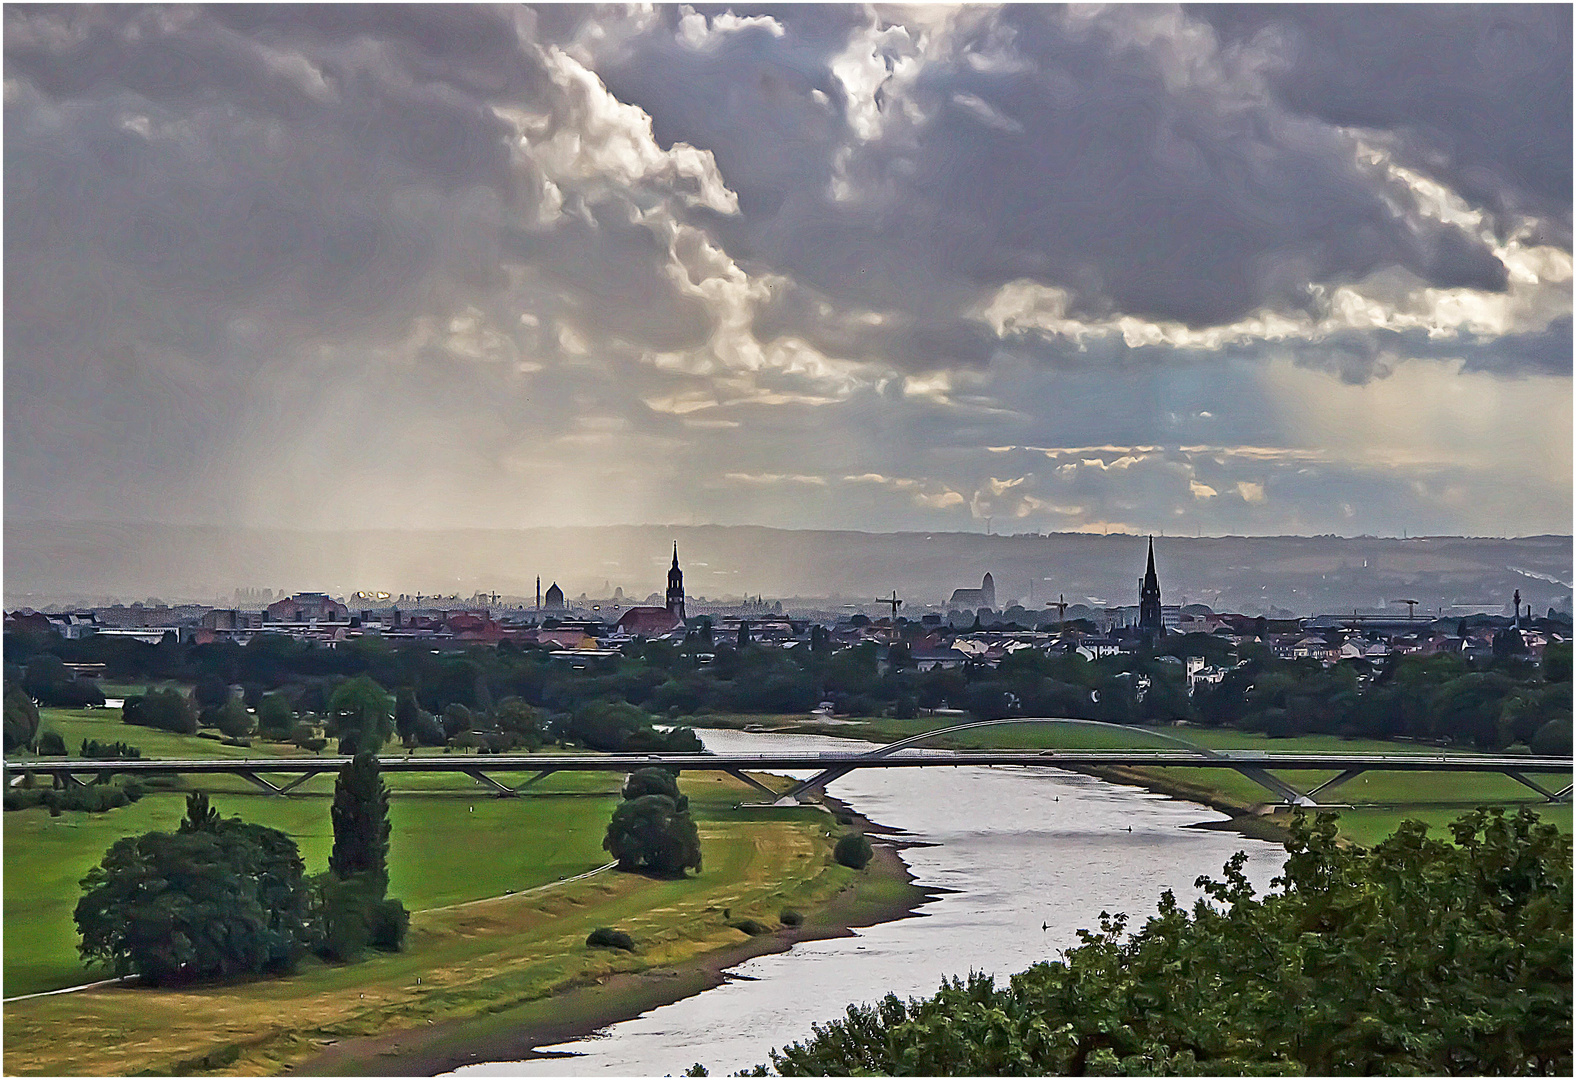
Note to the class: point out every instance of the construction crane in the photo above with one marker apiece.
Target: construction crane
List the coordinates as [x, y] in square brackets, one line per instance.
[1061, 608]
[1411, 607]
[893, 602]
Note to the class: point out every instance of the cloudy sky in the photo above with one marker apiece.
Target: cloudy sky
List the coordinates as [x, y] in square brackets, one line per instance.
[1251, 270]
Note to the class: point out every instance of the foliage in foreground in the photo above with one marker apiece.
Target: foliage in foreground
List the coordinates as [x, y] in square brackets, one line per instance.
[1418, 956]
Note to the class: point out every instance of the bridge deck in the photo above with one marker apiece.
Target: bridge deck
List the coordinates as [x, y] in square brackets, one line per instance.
[1076, 759]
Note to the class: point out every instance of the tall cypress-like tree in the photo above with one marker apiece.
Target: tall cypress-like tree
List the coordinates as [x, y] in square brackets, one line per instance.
[361, 820]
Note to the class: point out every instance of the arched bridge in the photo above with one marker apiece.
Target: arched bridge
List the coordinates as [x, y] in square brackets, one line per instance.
[291, 772]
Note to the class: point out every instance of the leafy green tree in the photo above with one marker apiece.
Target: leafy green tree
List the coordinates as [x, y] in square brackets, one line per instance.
[275, 717]
[853, 850]
[21, 719]
[650, 833]
[233, 719]
[457, 720]
[406, 711]
[361, 715]
[1557, 662]
[361, 820]
[164, 710]
[1553, 739]
[220, 898]
[655, 782]
[1421, 956]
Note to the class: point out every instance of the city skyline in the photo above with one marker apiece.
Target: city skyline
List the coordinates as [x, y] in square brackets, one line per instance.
[1242, 270]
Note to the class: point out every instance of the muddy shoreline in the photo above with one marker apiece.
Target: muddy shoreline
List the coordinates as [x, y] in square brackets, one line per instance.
[516, 1033]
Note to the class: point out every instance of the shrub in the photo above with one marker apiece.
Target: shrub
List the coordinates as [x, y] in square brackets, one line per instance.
[50, 744]
[344, 909]
[94, 799]
[853, 851]
[750, 926]
[790, 917]
[388, 921]
[607, 938]
[92, 748]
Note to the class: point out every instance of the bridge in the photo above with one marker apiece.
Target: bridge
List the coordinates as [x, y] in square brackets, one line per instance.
[281, 775]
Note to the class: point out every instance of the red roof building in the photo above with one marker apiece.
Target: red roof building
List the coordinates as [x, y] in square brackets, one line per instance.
[647, 621]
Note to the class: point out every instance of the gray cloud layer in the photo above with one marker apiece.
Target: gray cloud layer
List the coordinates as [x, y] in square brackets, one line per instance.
[798, 265]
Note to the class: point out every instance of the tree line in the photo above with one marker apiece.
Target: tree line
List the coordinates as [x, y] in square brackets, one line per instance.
[508, 697]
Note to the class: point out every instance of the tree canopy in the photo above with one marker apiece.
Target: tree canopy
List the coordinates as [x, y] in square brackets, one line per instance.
[220, 897]
[651, 834]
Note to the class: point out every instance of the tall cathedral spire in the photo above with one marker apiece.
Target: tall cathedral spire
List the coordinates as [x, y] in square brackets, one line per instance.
[1150, 619]
[676, 585]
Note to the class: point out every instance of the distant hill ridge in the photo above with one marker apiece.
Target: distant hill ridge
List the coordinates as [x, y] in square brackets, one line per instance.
[59, 563]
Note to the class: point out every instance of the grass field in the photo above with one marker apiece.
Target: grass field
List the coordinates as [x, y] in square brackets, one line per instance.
[460, 859]
[471, 959]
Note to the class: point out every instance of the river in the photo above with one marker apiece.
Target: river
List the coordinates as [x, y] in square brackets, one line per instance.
[1030, 856]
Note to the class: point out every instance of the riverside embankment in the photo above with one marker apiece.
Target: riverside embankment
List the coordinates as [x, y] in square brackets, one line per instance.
[1021, 859]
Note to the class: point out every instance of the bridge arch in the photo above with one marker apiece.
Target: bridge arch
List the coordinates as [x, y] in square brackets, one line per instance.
[1260, 776]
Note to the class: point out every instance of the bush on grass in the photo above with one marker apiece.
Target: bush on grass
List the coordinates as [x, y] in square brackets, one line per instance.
[853, 851]
[790, 917]
[607, 938]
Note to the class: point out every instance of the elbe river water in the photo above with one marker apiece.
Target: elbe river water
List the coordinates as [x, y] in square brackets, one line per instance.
[1030, 856]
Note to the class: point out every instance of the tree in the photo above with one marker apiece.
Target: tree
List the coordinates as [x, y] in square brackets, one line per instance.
[219, 898]
[655, 782]
[406, 711]
[361, 820]
[21, 719]
[275, 717]
[233, 719]
[361, 715]
[1420, 956]
[457, 720]
[650, 833]
[165, 710]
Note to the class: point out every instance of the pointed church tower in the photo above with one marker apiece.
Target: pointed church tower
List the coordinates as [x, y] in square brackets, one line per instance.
[676, 586]
[1150, 620]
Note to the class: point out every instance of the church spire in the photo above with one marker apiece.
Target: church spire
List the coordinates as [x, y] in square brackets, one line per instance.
[675, 596]
[1151, 579]
[1151, 617]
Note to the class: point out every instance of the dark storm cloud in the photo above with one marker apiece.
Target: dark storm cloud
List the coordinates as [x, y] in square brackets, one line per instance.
[1477, 95]
[1145, 173]
[308, 262]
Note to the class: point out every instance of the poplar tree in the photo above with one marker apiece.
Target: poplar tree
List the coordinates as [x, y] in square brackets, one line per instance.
[361, 821]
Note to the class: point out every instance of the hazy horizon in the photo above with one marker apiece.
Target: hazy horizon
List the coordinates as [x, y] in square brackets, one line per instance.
[1307, 575]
